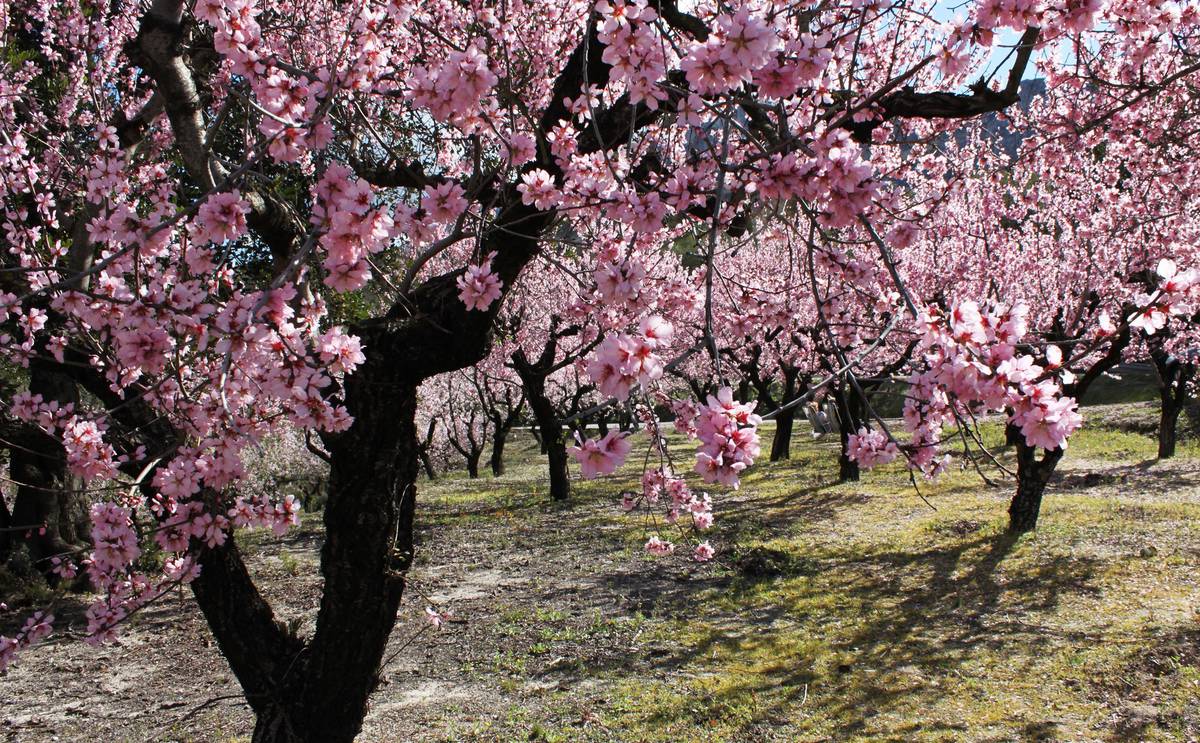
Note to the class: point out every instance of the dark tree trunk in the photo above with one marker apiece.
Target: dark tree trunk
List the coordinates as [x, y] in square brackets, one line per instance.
[367, 552]
[849, 410]
[1174, 376]
[602, 424]
[553, 443]
[1032, 476]
[48, 498]
[496, 461]
[781, 445]
[1168, 426]
[1012, 435]
[423, 447]
[317, 691]
[533, 379]
[473, 464]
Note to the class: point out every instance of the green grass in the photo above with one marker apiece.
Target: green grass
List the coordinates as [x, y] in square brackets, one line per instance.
[885, 619]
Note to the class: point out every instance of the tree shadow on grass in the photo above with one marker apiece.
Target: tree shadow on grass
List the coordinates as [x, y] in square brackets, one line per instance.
[869, 631]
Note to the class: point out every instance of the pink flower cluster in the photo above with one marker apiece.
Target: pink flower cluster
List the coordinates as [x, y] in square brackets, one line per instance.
[478, 287]
[601, 456]
[835, 175]
[278, 516]
[633, 49]
[453, 90]
[623, 360]
[728, 435]
[354, 227]
[36, 628]
[1173, 287]
[870, 448]
[741, 45]
[222, 217]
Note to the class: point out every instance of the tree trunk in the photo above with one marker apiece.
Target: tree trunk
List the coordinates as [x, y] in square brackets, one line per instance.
[49, 499]
[1012, 435]
[1168, 425]
[1032, 476]
[427, 465]
[553, 443]
[781, 445]
[496, 461]
[849, 421]
[473, 464]
[1173, 378]
[367, 552]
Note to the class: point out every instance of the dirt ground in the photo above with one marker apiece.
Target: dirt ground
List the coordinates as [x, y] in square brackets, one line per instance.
[836, 612]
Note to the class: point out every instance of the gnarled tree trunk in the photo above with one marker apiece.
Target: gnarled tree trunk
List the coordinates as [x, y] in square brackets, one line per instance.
[1174, 375]
[49, 500]
[1032, 475]
[553, 442]
[850, 410]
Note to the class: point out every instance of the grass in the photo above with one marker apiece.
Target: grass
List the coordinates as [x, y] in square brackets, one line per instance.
[834, 612]
[884, 619]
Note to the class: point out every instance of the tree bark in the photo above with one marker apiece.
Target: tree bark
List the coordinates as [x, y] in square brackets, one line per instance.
[553, 443]
[496, 461]
[368, 549]
[48, 498]
[533, 380]
[1173, 379]
[1032, 476]
[781, 445]
[1168, 426]
[849, 420]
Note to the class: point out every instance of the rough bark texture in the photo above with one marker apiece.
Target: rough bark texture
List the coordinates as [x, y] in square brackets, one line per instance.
[553, 442]
[48, 499]
[850, 410]
[1032, 475]
[1174, 376]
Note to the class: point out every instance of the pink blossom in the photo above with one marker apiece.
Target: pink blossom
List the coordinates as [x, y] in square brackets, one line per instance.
[601, 456]
[478, 287]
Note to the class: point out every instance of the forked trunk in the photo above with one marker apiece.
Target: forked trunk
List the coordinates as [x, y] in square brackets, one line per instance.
[1032, 476]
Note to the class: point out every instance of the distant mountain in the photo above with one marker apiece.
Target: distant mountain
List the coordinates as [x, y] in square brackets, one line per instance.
[998, 129]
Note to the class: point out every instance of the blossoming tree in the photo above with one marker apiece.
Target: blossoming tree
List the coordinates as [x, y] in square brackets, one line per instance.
[419, 157]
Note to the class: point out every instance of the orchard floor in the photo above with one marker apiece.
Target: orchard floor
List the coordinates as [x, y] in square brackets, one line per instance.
[835, 612]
